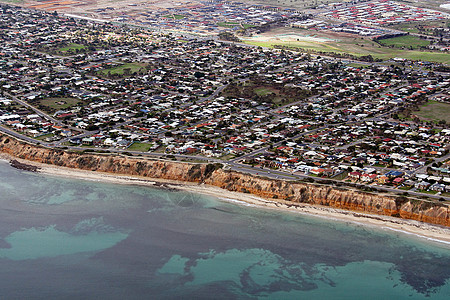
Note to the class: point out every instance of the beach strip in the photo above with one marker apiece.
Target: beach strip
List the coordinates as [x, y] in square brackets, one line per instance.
[430, 232]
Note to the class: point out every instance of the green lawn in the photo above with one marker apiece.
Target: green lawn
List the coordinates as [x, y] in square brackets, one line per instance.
[59, 103]
[234, 24]
[435, 111]
[228, 157]
[13, 1]
[422, 27]
[72, 48]
[405, 188]
[357, 48]
[266, 92]
[262, 91]
[141, 147]
[43, 137]
[356, 65]
[123, 69]
[405, 42]
[427, 192]
[175, 17]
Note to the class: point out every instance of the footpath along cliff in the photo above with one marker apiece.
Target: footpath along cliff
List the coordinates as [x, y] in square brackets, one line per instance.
[212, 174]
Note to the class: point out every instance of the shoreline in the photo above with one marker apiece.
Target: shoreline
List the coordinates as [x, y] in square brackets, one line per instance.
[432, 233]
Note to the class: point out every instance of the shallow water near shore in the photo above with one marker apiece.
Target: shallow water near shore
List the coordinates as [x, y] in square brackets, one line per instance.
[77, 239]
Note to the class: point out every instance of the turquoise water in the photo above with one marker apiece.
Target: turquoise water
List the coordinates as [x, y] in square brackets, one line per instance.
[75, 239]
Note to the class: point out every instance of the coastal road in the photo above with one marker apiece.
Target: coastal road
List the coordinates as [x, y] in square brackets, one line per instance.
[19, 136]
[272, 174]
[41, 113]
[276, 174]
[37, 111]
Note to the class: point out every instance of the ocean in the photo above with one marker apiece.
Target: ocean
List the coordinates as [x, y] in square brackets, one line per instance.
[64, 238]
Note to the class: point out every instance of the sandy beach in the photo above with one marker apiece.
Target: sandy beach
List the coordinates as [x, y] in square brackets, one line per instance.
[433, 233]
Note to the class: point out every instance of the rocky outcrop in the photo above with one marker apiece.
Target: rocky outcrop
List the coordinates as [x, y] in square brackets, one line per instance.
[21, 166]
[212, 174]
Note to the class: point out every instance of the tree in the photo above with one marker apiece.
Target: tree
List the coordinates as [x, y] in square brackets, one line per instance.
[127, 71]
[198, 74]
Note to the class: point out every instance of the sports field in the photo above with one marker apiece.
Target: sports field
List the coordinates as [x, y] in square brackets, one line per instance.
[405, 42]
[124, 69]
[434, 111]
[333, 43]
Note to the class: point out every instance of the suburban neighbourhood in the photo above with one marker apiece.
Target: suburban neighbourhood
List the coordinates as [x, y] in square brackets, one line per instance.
[92, 86]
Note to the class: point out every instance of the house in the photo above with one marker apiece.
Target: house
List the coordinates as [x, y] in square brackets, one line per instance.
[369, 177]
[317, 171]
[438, 187]
[398, 181]
[87, 141]
[355, 175]
[383, 179]
[394, 174]
[422, 185]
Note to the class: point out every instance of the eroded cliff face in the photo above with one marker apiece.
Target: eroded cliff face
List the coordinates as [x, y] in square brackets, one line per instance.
[336, 197]
[107, 163]
[293, 192]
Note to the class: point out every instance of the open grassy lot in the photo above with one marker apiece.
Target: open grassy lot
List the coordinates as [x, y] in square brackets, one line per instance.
[175, 17]
[72, 49]
[356, 65]
[142, 147]
[55, 104]
[264, 92]
[353, 46]
[434, 111]
[295, 3]
[405, 42]
[124, 69]
[12, 1]
[43, 137]
[234, 24]
[422, 27]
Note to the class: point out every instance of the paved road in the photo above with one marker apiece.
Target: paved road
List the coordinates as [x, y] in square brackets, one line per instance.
[233, 164]
[37, 111]
[19, 136]
[273, 174]
[41, 113]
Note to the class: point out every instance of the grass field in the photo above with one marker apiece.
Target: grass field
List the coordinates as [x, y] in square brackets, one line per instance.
[175, 17]
[331, 42]
[434, 111]
[43, 137]
[422, 27]
[356, 65]
[405, 42]
[142, 147]
[59, 103]
[72, 48]
[123, 69]
[295, 3]
[357, 48]
[234, 24]
[265, 92]
[262, 91]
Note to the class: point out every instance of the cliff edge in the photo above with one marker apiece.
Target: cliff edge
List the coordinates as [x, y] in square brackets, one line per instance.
[213, 174]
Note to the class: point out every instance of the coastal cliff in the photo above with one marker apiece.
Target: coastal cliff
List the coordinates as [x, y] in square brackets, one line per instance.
[212, 174]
